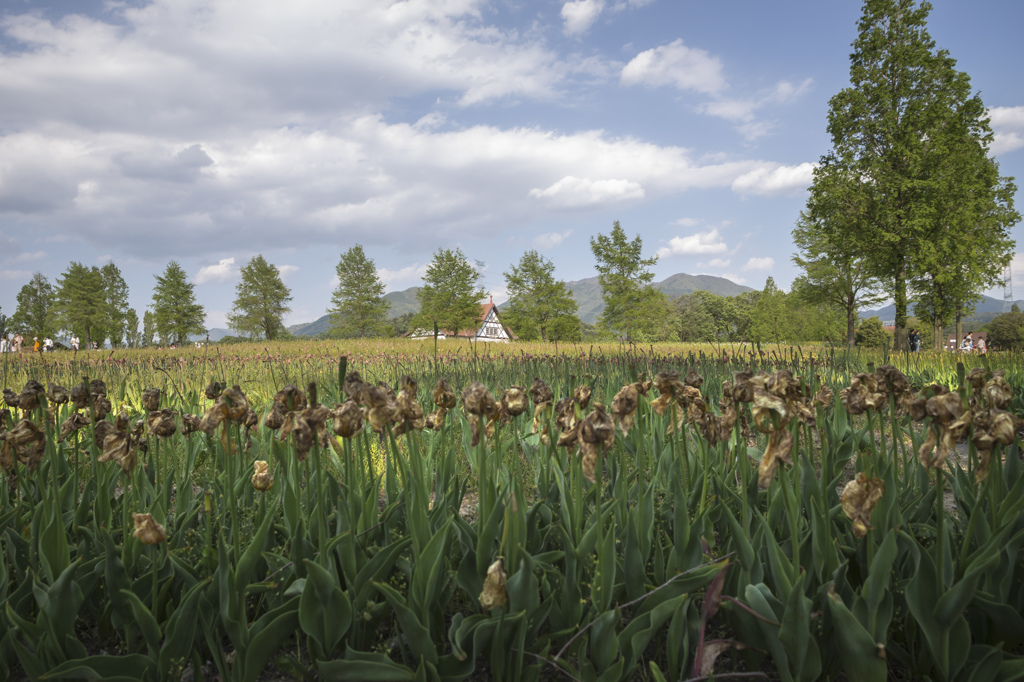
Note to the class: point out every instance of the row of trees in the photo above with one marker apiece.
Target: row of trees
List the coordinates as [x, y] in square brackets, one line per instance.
[907, 204]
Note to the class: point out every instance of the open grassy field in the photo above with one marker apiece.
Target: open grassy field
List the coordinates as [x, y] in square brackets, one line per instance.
[385, 511]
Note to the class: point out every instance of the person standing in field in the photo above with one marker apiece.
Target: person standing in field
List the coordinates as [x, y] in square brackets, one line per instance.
[18, 339]
[35, 344]
[74, 342]
[3, 343]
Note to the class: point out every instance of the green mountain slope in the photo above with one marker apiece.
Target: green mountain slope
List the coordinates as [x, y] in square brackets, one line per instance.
[402, 302]
[587, 292]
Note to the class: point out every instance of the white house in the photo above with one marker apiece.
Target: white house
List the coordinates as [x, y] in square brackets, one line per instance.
[489, 328]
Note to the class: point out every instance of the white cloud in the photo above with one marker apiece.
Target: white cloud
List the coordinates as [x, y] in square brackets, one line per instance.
[1008, 127]
[580, 15]
[223, 271]
[766, 263]
[216, 319]
[26, 257]
[573, 191]
[401, 279]
[716, 263]
[675, 64]
[286, 270]
[741, 111]
[15, 276]
[686, 222]
[550, 240]
[701, 243]
[771, 181]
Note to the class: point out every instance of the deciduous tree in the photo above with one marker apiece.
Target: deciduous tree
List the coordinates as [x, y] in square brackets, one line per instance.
[132, 335]
[537, 299]
[175, 311]
[358, 308]
[908, 140]
[625, 281]
[450, 296]
[34, 315]
[260, 301]
[80, 302]
[115, 293]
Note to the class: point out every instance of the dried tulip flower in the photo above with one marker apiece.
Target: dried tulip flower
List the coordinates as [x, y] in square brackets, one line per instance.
[261, 478]
[80, 396]
[151, 399]
[443, 395]
[476, 399]
[213, 390]
[30, 395]
[147, 530]
[348, 419]
[11, 399]
[381, 407]
[824, 396]
[291, 398]
[859, 498]
[354, 386]
[97, 387]
[595, 432]
[693, 379]
[780, 444]
[161, 423]
[56, 394]
[998, 392]
[624, 407]
[27, 441]
[72, 424]
[190, 423]
[540, 392]
[514, 400]
[494, 594]
[119, 447]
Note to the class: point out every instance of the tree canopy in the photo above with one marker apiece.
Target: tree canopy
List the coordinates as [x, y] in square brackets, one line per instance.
[261, 299]
[176, 313]
[34, 315]
[80, 302]
[908, 177]
[450, 296]
[358, 307]
[629, 298]
[538, 303]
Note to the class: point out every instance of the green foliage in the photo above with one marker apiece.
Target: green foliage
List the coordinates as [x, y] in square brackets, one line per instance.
[115, 293]
[34, 315]
[1006, 331]
[629, 298]
[872, 334]
[148, 329]
[450, 296]
[539, 305]
[260, 301]
[909, 176]
[176, 313]
[132, 335]
[359, 309]
[80, 303]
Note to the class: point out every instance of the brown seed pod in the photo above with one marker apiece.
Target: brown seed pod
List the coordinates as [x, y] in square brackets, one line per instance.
[213, 390]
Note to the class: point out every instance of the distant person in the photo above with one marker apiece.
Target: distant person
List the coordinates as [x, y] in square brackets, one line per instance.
[915, 341]
[967, 346]
[35, 345]
[18, 340]
[982, 346]
[74, 342]
[47, 345]
[4, 343]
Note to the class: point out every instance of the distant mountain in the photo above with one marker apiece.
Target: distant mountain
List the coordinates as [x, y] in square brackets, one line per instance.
[216, 334]
[986, 309]
[587, 292]
[402, 302]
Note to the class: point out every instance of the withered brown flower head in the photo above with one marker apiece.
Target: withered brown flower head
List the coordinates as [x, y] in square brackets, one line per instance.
[80, 396]
[895, 380]
[151, 399]
[291, 398]
[780, 444]
[667, 382]
[766, 405]
[1004, 426]
[235, 403]
[977, 377]
[30, 395]
[514, 400]
[72, 424]
[945, 408]
[119, 447]
[97, 387]
[407, 384]
[581, 396]
[161, 422]
[348, 419]
[306, 427]
[494, 594]
[190, 423]
[354, 386]
[998, 392]
[147, 530]
[11, 399]
[781, 384]
[261, 478]
[742, 387]
[381, 407]
[213, 390]
[410, 412]
[859, 498]
[444, 396]
[476, 399]
[624, 407]
[693, 379]
[824, 396]
[566, 421]
[101, 406]
[251, 419]
[27, 441]
[540, 392]
[101, 430]
[595, 431]
[56, 394]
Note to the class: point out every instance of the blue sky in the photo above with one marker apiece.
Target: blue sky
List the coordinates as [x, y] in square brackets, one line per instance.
[209, 131]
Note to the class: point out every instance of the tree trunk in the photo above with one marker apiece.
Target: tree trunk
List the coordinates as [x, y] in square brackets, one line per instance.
[939, 342]
[900, 297]
[959, 326]
[851, 324]
[544, 334]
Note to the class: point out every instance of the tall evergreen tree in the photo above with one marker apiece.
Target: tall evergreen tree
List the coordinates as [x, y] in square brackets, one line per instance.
[358, 307]
[629, 298]
[132, 335]
[115, 293]
[34, 315]
[81, 304]
[450, 296]
[176, 313]
[537, 299]
[909, 142]
[148, 328]
[260, 301]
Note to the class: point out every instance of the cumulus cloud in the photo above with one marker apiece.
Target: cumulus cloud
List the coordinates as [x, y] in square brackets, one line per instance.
[675, 64]
[686, 222]
[550, 240]
[22, 276]
[699, 244]
[775, 180]
[1008, 126]
[286, 270]
[766, 263]
[580, 15]
[573, 191]
[223, 271]
[741, 111]
[716, 263]
[403, 278]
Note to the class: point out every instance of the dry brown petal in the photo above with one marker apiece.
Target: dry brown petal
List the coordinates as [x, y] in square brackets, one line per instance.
[925, 452]
[235, 403]
[100, 432]
[354, 386]
[251, 420]
[917, 408]
[1003, 426]
[766, 405]
[494, 594]
[261, 478]
[998, 392]
[742, 387]
[275, 418]
[780, 443]
[444, 397]
[80, 396]
[894, 379]
[151, 399]
[147, 530]
[24, 433]
[824, 396]
[161, 423]
[781, 384]
[946, 408]
[213, 418]
[101, 407]
[56, 394]
[859, 498]
[348, 419]
[581, 396]
[693, 379]
[119, 447]
[984, 443]
[540, 392]
[589, 453]
[190, 423]
[97, 387]
[11, 399]
[476, 399]
[213, 390]
[72, 424]
[624, 407]
[514, 400]
[381, 407]
[977, 378]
